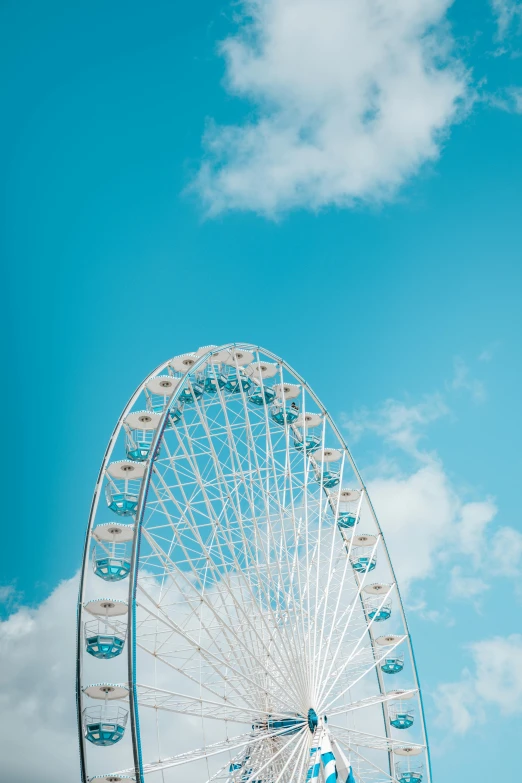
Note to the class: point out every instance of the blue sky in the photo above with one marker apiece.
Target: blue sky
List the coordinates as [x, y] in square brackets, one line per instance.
[163, 191]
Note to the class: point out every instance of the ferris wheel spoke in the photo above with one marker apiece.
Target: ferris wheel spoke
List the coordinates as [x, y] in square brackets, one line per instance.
[302, 625]
[324, 695]
[296, 766]
[288, 470]
[235, 644]
[198, 754]
[250, 555]
[351, 738]
[238, 641]
[281, 647]
[159, 698]
[219, 665]
[308, 559]
[247, 553]
[340, 589]
[367, 628]
[307, 620]
[334, 622]
[370, 701]
[296, 741]
[223, 669]
[224, 772]
[210, 564]
[375, 662]
[207, 751]
[319, 576]
[353, 663]
[246, 759]
[180, 580]
[294, 627]
[183, 670]
[295, 772]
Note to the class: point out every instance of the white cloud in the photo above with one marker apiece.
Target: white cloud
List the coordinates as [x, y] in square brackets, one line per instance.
[515, 94]
[506, 551]
[462, 380]
[351, 99]
[416, 511]
[475, 517]
[457, 702]
[508, 14]
[9, 597]
[38, 733]
[432, 531]
[466, 587]
[508, 99]
[496, 680]
[399, 424]
[426, 522]
[489, 351]
[6, 593]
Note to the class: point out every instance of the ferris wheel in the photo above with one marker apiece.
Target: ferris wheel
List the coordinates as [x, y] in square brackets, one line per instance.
[238, 615]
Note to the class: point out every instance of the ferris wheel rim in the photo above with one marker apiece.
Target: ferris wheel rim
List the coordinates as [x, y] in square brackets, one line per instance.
[201, 361]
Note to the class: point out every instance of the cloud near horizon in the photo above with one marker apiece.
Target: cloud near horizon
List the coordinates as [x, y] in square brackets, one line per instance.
[350, 100]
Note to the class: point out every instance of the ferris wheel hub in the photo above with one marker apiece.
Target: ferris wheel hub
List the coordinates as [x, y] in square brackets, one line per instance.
[313, 719]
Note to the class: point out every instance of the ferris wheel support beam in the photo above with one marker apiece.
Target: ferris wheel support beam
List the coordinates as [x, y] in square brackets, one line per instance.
[245, 539]
[237, 605]
[240, 741]
[192, 705]
[366, 740]
[370, 701]
[174, 570]
[270, 451]
[212, 659]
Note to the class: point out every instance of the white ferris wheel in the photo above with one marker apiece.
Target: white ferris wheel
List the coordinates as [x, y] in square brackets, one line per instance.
[238, 617]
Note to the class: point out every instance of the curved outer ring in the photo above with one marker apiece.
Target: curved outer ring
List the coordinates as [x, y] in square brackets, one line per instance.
[131, 630]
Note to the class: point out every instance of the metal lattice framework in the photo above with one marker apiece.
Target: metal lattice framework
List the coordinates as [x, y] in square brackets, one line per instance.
[237, 601]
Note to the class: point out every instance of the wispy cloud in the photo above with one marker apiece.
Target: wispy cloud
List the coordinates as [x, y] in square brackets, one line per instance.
[508, 15]
[474, 520]
[487, 354]
[404, 425]
[10, 597]
[508, 99]
[466, 587]
[351, 99]
[419, 502]
[417, 509]
[457, 704]
[495, 680]
[506, 550]
[463, 381]
[398, 423]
